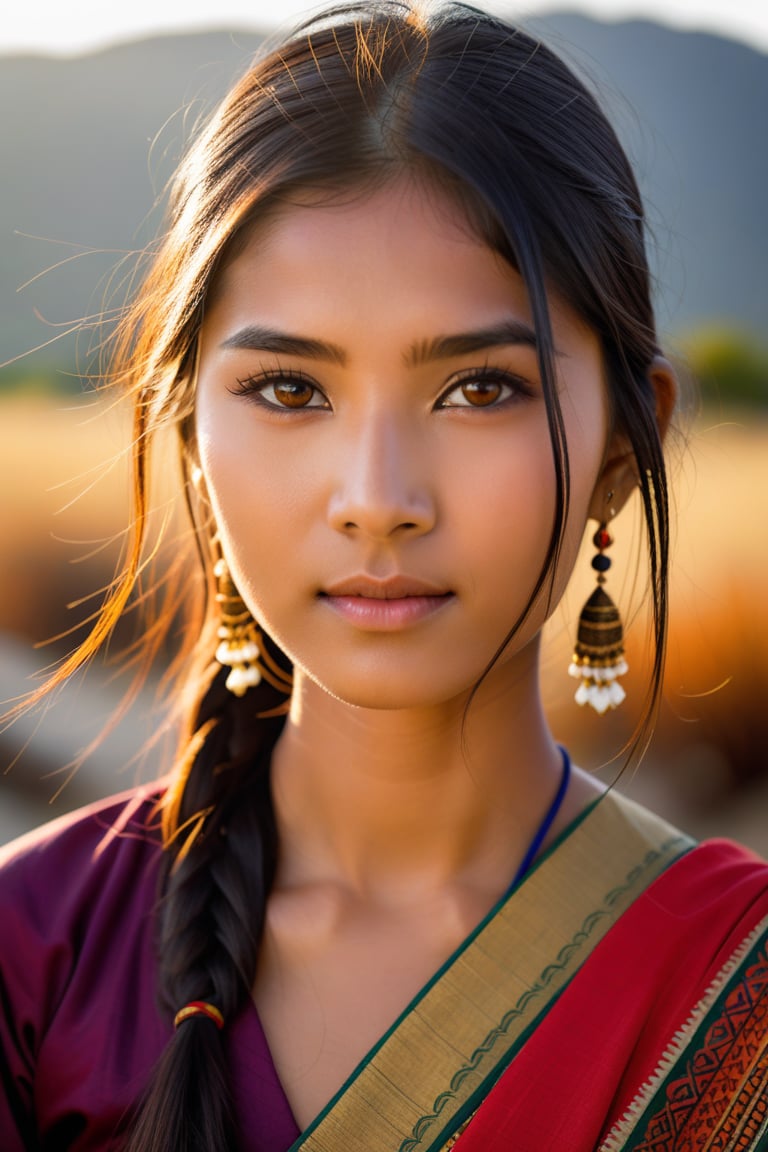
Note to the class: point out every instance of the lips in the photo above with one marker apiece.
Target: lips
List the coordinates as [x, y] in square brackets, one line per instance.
[393, 588]
[392, 605]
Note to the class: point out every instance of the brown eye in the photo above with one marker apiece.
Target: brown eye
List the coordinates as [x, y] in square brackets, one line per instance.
[282, 391]
[479, 393]
[483, 390]
[293, 393]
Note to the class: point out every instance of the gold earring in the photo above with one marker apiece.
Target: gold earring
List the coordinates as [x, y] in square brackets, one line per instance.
[598, 658]
[241, 646]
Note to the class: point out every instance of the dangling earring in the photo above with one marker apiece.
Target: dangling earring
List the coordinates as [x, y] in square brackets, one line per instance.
[241, 646]
[238, 635]
[598, 658]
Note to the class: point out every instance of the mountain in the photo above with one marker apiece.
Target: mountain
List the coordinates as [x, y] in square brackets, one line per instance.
[88, 143]
[689, 109]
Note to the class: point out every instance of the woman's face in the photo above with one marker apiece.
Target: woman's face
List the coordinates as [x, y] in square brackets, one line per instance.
[374, 443]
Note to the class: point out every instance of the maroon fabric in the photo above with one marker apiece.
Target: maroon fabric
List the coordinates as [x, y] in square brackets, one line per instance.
[79, 1027]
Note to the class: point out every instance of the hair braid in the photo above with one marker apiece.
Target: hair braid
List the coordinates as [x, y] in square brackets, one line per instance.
[221, 845]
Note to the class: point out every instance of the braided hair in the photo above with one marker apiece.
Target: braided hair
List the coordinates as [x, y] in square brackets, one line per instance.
[220, 862]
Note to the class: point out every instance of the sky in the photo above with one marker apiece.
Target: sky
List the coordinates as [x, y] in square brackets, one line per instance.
[75, 26]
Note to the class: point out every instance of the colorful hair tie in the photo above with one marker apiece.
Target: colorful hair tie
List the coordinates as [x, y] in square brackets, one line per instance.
[199, 1008]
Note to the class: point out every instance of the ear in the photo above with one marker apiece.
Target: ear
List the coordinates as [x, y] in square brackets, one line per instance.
[618, 477]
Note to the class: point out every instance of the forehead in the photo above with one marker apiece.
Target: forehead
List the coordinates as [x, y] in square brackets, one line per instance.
[407, 239]
[397, 263]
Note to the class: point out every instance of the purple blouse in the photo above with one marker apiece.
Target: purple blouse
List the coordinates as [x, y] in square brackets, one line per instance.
[80, 1030]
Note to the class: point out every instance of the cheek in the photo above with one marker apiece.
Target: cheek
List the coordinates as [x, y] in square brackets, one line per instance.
[498, 513]
[522, 512]
[250, 490]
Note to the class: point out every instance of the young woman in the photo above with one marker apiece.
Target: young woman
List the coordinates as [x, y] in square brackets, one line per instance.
[400, 323]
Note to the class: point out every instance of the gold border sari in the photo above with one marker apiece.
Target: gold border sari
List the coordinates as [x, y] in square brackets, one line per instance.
[421, 1084]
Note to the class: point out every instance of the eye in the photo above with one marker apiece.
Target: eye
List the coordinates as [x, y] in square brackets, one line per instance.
[485, 389]
[282, 390]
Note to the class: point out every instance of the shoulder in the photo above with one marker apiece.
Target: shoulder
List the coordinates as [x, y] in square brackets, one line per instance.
[707, 906]
[714, 873]
[716, 867]
[718, 891]
[700, 879]
[697, 902]
[53, 876]
[131, 815]
[77, 904]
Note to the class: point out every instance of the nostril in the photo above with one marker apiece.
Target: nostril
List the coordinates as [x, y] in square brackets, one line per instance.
[404, 526]
[379, 514]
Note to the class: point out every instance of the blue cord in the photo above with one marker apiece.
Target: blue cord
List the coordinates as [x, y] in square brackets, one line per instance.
[546, 824]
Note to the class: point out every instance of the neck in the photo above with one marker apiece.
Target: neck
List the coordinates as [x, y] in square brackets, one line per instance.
[395, 804]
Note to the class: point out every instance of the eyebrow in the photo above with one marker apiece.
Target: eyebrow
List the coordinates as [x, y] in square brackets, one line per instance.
[258, 338]
[463, 343]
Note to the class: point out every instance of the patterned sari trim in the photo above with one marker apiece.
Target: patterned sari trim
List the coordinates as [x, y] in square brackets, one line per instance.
[435, 1066]
[709, 1092]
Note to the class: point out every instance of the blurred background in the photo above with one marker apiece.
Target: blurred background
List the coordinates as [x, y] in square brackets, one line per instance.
[99, 102]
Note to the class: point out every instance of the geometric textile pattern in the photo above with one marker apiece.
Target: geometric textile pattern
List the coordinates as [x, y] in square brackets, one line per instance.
[715, 1097]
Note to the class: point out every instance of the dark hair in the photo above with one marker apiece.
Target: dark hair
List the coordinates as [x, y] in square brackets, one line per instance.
[363, 92]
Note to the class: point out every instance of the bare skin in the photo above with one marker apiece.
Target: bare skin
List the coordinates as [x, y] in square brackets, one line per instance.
[359, 923]
[362, 460]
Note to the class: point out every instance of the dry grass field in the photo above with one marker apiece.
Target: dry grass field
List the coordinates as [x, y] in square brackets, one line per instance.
[63, 506]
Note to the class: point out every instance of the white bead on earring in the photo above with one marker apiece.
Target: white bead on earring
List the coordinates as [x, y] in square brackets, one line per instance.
[598, 657]
[239, 648]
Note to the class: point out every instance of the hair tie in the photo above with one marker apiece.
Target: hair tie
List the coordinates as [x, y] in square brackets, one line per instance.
[199, 1008]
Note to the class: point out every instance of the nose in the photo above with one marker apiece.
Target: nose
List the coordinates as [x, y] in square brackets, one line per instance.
[381, 489]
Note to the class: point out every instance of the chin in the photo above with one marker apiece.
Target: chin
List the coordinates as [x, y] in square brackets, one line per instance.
[396, 692]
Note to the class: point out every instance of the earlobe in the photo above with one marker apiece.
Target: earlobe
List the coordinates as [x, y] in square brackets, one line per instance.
[617, 481]
[618, 477]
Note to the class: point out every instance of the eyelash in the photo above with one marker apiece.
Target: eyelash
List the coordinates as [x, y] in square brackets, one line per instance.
[253, 388]
[520, 388]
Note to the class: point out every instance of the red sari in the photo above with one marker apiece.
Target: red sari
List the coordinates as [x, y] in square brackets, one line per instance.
[660, 1043]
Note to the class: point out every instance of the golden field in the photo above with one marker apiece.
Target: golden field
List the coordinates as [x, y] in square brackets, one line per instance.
[64, 500]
